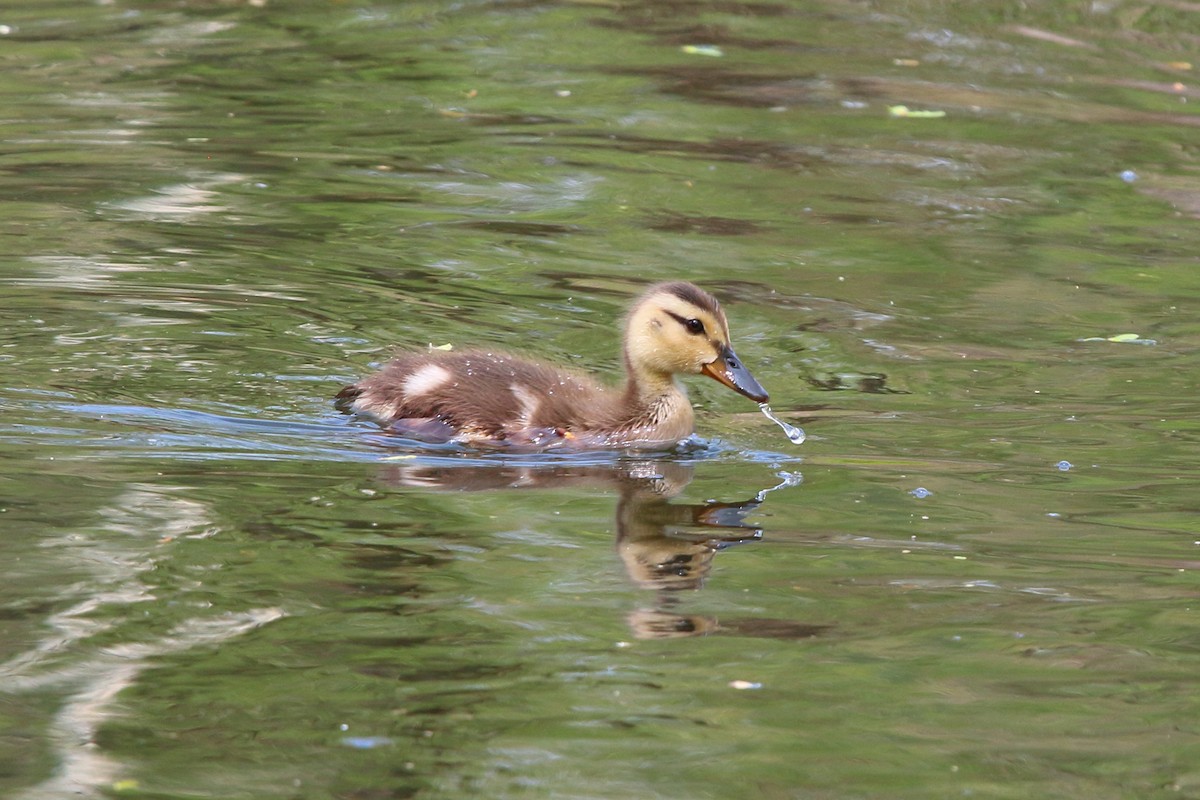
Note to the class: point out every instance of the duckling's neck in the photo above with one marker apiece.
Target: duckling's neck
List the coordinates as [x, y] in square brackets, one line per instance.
[645, 387]
[655, 400]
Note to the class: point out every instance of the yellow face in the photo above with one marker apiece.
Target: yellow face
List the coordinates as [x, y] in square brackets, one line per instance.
[676, 328]
[668, 334]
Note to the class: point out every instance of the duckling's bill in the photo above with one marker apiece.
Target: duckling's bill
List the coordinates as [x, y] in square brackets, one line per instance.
[729, 370]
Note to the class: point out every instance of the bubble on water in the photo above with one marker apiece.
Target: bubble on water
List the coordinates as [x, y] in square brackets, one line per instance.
[921, 493]
[794, 434]
[1129, 176]
[366, 742]
[1063, 466]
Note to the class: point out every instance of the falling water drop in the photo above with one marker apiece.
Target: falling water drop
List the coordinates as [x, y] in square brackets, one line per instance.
[794, 434]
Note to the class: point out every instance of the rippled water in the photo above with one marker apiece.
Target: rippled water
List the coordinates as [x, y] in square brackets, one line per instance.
[975, 578]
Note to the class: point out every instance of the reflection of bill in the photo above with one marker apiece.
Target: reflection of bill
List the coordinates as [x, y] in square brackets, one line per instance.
[666, 547]
[669, 548]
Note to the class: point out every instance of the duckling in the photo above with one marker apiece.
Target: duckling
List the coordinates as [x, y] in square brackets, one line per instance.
[490, 398]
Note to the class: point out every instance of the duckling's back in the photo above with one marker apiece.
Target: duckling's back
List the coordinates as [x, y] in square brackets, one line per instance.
[477, 396]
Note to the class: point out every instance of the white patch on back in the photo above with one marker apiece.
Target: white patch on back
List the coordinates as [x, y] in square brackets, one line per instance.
[425, 380]
[529, 403]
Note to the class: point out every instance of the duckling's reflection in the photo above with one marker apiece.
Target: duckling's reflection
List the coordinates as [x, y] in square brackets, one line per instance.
[666, 547]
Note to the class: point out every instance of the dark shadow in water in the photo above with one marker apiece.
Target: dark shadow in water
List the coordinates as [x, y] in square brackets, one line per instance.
[865, 382]
[667, 548]
[674, 222]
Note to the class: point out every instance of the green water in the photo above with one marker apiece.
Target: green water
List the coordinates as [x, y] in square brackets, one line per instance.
[976, 578]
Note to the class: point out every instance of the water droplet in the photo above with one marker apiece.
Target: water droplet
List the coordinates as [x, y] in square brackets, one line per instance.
[794, 434]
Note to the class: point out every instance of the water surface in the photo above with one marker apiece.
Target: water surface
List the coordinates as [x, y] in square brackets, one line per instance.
[975, 578]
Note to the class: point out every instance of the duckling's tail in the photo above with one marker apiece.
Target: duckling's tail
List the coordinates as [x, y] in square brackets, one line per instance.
[343, 401]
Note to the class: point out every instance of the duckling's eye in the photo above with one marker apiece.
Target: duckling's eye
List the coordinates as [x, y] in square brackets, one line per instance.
[693, 325]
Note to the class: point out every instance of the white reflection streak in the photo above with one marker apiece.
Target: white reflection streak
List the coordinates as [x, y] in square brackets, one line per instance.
[181, 199]
[64, 659]
[83, 771]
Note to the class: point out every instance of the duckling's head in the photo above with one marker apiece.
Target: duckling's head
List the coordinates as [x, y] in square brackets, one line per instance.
[680, 328]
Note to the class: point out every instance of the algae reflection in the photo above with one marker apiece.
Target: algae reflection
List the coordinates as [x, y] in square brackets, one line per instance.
[667, 547]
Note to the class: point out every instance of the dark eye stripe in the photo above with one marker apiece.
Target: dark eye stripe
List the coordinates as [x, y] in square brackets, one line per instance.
[693, 325]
